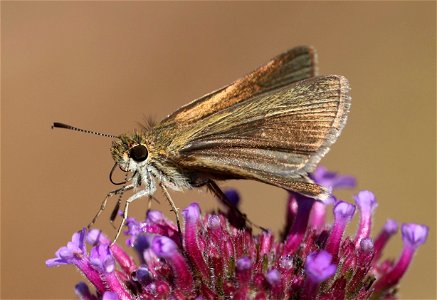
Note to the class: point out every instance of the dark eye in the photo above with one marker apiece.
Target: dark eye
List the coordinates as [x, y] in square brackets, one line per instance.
[138, 153]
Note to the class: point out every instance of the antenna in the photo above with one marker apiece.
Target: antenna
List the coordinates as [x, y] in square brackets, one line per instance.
[66, 126]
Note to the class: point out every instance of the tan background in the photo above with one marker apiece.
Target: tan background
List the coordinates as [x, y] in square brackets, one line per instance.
[104, 66]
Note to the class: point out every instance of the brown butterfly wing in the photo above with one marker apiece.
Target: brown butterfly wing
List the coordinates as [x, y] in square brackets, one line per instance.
[276, 137]
[294, 65]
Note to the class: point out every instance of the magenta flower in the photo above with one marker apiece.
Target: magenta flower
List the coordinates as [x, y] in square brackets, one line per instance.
[212, 259]
[413, 236]
[343, 213]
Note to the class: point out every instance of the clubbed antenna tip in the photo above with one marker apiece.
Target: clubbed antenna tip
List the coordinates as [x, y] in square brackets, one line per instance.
[66, 126]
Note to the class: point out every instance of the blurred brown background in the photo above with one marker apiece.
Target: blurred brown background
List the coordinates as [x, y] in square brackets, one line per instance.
[106, 65]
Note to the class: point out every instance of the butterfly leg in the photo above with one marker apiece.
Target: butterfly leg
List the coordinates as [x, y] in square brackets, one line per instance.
[216, 190]
[131, 199]
[103, 205]
[173, 206]
[116, 209]
[150, 200]
[149, 204]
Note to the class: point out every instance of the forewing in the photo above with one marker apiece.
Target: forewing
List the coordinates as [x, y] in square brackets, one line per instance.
[276, 137]
[294, 65]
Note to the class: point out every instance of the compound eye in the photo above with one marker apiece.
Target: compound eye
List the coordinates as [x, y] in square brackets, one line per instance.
[138, 153]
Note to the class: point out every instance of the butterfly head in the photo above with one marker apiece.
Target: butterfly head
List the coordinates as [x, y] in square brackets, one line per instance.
[131, 152]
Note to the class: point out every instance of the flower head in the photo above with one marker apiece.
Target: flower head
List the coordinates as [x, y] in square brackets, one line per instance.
[211, 258]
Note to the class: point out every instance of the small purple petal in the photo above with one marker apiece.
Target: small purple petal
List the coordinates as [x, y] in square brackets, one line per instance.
[391, 226]
[110, 296]
[332, 180]
[366, 201]
[214, 221]
[142, 243]
[164, 247]
[78, 240]
[192, 212]
[102, 259]
[366, 244]
[143, 275]
[273, 277]
[414, 235]
[93, 236]
[244, 263]
[344, 211]
[233, 197]
[318, 266]
[74, 250]
[53, 262]
[82, 291]
[133, 230]
[286, 262]
[155, 216]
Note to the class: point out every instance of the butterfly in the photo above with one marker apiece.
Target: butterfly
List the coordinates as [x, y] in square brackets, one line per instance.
[272, 125]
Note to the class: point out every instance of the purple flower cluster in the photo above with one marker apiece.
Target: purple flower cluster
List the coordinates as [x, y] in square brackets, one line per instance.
[213, 259]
